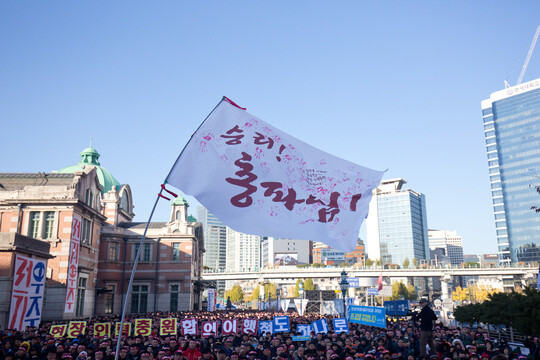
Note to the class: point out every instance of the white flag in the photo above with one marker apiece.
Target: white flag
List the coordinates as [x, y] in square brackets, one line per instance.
[259, 180]
[285, 304]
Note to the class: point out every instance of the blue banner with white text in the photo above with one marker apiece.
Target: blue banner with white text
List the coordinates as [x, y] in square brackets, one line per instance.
[368, 315]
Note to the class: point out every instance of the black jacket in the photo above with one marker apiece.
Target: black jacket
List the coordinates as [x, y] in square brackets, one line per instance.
[426, 317]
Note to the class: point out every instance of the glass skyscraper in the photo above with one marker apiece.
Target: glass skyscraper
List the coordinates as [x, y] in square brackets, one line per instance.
[215, 240]
[512, 131]
[397, 224]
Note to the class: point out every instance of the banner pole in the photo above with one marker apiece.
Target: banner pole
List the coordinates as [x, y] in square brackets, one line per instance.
[120, 331]
[191, 137]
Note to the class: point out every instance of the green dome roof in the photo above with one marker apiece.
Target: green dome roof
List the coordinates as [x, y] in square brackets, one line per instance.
[89, 157]
[191, 218]
[180, 201]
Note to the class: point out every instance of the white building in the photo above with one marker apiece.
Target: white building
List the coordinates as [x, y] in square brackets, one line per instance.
[448, 240]
[243, 251]
[280, 252]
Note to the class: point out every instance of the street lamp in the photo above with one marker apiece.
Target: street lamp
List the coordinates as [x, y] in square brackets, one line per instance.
[301, 292]
[344, 285]
[278, 295]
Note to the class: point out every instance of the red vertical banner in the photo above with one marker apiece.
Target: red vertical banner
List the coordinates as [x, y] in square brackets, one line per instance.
[27, 293]
[73, 264]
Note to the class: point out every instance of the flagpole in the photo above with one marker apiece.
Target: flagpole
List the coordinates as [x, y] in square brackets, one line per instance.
[120, 331]
[206, 118]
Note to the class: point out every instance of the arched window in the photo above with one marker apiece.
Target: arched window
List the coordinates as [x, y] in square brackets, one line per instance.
[89, 198]
[124, 201]
[178, 215]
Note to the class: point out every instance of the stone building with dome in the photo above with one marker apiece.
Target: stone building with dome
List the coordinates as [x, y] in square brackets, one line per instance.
[40, 207]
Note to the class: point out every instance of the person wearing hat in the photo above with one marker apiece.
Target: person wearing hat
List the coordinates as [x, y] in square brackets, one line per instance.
[426, 317]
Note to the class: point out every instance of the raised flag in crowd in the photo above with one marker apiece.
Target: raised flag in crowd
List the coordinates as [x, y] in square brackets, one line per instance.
[254, 176]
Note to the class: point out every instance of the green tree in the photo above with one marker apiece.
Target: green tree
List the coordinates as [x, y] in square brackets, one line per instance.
[406, 263]
[255, 294]
[399, 290]
[369, 262]
[235, 293]
[270, 290]
[309, 285]
[415, 262]
[412, 294]
[344, 264]
[378, 262]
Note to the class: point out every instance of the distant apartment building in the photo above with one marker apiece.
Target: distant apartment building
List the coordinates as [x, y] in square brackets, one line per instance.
[397, 224]
[512, 132]
[448, 240]
[283, 252]
[243, 251]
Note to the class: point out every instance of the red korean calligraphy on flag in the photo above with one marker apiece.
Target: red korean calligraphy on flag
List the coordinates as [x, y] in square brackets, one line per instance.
[168, 326]
[249, 326]
[27, 294]
[73, 264]
[189, 327]
[209, 328]
[259, 180]
[229, 326]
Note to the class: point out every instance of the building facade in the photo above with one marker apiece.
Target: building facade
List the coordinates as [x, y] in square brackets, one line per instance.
[512, 131]
[324, 254]
[282, 252]
[448, 240]
[397, 224]
[215, 256]
[243, 251]
[42, 206]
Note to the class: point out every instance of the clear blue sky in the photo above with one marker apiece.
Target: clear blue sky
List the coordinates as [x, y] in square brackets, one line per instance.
[384, 84]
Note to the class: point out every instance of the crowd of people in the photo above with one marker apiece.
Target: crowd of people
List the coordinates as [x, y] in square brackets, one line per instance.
[401, 339]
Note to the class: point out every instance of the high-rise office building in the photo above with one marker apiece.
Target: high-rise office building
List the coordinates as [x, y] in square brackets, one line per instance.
[512, 131]
[448, 240]
[243, 251]
[397, 224]
[215, 240]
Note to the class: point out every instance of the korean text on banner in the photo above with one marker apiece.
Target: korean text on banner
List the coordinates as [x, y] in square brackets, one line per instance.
[259, 180]
[57, 331]
[212, 295]
[27, 293]
[368, 315]
[168, 326]
[73, 264]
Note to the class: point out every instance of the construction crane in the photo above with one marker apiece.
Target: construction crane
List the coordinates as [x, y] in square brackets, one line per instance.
[526, 63]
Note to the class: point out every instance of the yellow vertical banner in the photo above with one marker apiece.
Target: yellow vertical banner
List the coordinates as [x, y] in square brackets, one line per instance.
[168, 326]
[143, 327]
[125, 331]
[58, 331]
[102, 329]
[76, 328]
